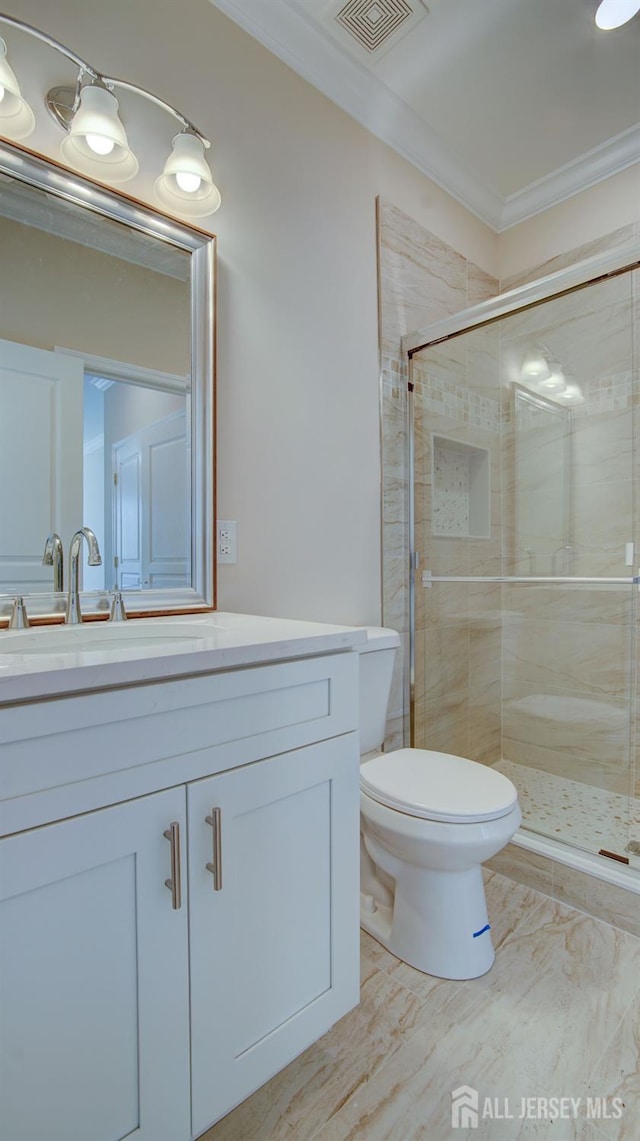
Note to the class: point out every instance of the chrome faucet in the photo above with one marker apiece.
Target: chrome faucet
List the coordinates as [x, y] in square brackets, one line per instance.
[53, 557]
[74, 614]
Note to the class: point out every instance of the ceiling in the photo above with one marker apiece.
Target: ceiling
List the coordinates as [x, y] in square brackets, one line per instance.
[509, 105]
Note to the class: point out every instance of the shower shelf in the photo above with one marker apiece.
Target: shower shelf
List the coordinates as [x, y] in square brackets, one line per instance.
[540, 580]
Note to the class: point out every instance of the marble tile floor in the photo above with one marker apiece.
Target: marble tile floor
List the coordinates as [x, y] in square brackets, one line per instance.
[557, 1016]
[580, 814]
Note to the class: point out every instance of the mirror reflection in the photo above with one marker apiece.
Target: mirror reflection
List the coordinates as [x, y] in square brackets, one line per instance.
[542, 485]
[96, 398]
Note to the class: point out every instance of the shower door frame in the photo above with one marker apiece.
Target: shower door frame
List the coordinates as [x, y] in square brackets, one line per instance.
[623, 259]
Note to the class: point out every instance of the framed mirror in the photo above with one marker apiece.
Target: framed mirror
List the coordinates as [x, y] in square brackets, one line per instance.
[107, 394]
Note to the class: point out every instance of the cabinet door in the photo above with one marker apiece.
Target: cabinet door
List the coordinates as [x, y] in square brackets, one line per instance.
[93, 979]
[274, 951]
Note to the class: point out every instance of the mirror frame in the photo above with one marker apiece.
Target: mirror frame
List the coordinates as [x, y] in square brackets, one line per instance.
[46, 175]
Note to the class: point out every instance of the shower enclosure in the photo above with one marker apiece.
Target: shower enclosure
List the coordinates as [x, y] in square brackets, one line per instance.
[525, 525]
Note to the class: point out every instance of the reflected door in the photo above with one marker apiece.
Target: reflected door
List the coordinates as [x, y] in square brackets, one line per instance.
[40, 460]
[151, 493]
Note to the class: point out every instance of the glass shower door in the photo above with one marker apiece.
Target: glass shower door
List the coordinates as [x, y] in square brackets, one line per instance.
[526, 525]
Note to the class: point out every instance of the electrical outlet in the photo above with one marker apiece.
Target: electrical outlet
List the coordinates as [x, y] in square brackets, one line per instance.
[226, 549]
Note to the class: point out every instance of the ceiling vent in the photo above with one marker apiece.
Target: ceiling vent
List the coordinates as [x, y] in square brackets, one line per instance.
[374, 26]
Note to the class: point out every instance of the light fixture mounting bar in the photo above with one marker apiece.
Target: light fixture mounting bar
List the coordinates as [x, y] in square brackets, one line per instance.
[47, 39]
[109, 81]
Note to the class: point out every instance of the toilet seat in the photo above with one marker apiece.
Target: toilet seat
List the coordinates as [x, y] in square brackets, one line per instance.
[437, 786]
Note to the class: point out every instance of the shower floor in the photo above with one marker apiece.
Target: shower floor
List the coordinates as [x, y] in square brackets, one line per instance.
[587, 817]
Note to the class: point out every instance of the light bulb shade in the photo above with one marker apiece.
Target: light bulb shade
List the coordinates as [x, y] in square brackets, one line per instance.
[17, 120]
[187, 165]
[571, 394]
[555, 382]
[535, 367]
[97, 120]
[615, 13]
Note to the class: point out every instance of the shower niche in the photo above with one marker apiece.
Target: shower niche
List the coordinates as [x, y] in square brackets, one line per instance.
[461, 491]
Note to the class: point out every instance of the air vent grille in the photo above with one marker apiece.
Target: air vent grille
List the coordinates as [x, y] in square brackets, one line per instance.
[372, 22]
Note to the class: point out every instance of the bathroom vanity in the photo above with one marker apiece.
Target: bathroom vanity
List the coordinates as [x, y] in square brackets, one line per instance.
[178, 867]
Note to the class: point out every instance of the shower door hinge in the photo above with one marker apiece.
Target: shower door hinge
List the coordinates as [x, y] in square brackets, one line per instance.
[414, 560]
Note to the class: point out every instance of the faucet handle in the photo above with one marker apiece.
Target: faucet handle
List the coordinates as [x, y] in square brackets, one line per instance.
[118, 611]
[19, 619]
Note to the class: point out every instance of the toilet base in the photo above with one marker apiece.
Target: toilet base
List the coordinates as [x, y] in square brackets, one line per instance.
[429, 932]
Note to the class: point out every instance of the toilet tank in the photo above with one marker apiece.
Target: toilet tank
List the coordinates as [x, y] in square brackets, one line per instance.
[377, 656]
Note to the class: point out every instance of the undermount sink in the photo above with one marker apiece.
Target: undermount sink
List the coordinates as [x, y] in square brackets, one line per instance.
[103, 637]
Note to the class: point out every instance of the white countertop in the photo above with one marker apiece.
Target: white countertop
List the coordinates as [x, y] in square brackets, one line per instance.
[53, 661]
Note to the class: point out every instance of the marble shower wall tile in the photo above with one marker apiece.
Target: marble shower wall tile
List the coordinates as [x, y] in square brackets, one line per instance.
[443, 724]
[603, 604]
[485, 723]
[590, 659]
[481, 286]
[588, 332]
[569, 735]
[602, 245]
[603, 524]
[422, 279]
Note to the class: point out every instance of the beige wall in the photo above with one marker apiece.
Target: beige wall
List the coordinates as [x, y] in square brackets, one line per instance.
[298, 439]
[57, 292]
[584, 218]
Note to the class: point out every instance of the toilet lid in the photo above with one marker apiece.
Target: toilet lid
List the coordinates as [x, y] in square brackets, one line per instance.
[438, 786]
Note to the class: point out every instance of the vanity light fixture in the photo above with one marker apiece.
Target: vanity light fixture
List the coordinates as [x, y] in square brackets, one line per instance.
[555, 381]
[186, 177]
[615, 13]
[16, 116]
[535, 366]
[571, 394]
[542, 372]
[96, 140]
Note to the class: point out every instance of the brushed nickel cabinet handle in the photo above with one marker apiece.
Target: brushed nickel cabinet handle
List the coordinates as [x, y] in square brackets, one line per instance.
[215, 820]
[172, 834]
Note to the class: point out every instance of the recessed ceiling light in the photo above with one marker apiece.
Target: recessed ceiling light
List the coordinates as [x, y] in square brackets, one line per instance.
[615, 13]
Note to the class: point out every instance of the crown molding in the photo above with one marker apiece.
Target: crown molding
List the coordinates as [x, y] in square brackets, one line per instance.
[311, 52]
[612, 157]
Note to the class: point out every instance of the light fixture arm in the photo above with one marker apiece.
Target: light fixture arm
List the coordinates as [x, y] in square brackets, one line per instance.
[186, 123]
[47, 39]
[97, 76]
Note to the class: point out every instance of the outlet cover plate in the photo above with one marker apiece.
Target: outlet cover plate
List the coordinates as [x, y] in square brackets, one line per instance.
[226, 546]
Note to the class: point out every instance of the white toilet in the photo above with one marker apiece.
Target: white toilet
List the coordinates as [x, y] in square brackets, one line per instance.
[428, 820]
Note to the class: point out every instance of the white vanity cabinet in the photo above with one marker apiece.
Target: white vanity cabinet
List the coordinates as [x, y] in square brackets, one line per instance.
[122, 1014]
[94, 1020]
[272, 947]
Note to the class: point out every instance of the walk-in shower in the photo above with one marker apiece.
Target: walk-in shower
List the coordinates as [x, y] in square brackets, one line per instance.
[524, 525]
